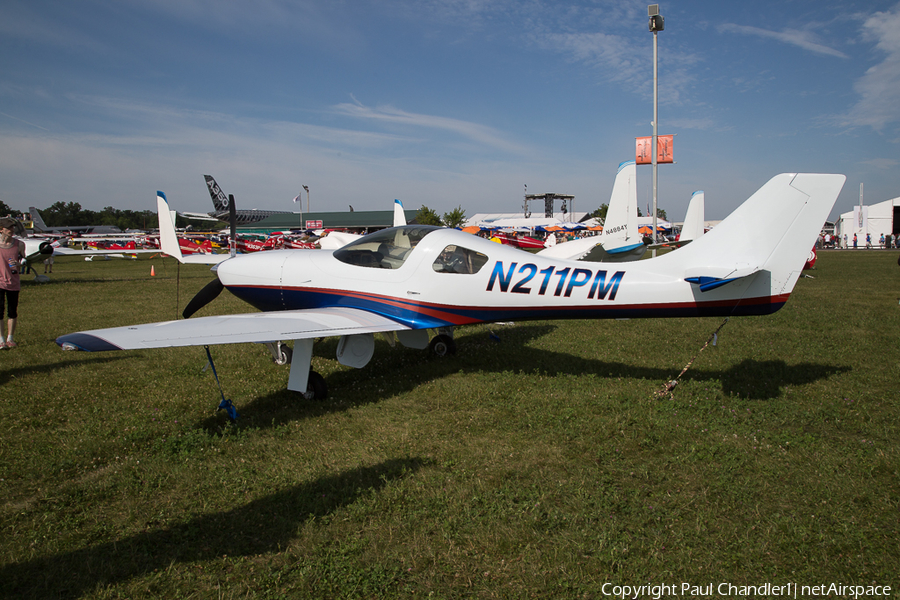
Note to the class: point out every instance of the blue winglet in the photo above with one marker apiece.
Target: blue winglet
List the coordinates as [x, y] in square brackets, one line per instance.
[85, 342]
[709, 283]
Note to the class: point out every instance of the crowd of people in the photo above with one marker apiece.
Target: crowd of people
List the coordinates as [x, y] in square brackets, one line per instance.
[855, 242]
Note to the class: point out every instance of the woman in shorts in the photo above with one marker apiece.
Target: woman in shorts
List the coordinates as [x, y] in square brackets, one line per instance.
[11, 253]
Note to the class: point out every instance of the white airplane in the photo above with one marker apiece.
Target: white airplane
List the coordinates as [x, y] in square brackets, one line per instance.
[414, 278]
[620, 240]
[339, 239]
[37, 249]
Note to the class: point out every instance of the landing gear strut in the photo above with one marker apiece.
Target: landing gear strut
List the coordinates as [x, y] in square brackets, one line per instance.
[281, 353]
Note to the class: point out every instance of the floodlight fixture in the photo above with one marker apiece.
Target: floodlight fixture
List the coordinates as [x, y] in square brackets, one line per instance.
[657, 22]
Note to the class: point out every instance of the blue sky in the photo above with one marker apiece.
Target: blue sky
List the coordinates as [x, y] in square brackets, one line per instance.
[439, 103]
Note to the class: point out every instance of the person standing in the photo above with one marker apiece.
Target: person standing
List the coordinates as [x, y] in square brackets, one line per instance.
[11, 252]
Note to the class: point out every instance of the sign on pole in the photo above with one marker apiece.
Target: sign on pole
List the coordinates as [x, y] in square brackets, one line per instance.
[644, 150]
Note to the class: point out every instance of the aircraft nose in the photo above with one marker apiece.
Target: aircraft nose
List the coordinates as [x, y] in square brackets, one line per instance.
[262, 268]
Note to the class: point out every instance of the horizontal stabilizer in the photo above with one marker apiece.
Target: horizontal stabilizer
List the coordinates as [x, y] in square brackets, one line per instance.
[710, 278]
[710, 283]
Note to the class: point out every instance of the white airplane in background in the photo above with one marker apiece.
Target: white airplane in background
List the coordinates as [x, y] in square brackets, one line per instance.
[620, 240]
[37, 249]
[339, 239]
[413, 278]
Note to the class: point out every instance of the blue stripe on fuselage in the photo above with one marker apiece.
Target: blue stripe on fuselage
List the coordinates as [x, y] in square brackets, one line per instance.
[424, 315]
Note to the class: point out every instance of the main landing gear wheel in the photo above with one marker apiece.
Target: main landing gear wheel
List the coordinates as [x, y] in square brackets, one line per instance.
[284, 357]
[316, 389]
[442, 345]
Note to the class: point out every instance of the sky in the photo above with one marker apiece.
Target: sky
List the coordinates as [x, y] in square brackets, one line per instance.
[440, 103]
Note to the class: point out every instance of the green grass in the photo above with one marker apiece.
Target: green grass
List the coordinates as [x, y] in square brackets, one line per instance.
[542, 465]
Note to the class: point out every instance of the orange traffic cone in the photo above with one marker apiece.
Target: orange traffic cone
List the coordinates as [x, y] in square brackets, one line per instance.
[152, 271]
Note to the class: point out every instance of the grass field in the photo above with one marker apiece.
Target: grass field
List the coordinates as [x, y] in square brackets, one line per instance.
[541, 466]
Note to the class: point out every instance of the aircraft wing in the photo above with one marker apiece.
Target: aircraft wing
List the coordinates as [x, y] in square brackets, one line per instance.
[198, 216]
[232, 329]
[201, 259]
[60, 251]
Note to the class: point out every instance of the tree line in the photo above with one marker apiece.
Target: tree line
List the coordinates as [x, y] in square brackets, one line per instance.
[61, 214]
[71, 214]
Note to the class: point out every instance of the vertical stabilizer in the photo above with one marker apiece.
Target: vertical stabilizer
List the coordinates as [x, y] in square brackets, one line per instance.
[399, 215]
[219, 199]
[36, 220]
[168, 239]
[770, 234]
[620, 231]
[694, 218]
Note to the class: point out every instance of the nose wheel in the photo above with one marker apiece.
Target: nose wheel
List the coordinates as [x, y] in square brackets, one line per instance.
[281, 353]
[442, 345]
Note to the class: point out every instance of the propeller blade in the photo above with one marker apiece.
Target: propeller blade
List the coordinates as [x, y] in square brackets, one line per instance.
[209, 293]
[232, 223]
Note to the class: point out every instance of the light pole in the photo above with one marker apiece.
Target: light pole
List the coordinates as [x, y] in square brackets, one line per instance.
[657, 24]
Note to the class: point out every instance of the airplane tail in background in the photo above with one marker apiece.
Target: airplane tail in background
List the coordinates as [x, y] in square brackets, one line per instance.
[620, 229]
[399, 215]
[769, 236]
[694, 218]
[219, 199]
[168, 239]
[36, 220]
[620, 240]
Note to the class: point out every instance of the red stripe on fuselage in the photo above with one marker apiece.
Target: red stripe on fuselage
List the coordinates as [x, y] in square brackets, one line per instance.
[465, 315]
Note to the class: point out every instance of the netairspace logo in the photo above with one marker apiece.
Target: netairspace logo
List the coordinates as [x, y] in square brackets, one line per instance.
[730, 590]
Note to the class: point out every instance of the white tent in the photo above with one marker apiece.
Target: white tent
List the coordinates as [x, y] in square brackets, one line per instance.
[875, 220]
[489, 220]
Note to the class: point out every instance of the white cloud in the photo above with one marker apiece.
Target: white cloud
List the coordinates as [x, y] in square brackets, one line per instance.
[481, 134]
[879, 87]
[794, 37]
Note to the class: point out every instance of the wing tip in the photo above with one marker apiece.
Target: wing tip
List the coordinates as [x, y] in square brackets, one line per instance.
[84, 342]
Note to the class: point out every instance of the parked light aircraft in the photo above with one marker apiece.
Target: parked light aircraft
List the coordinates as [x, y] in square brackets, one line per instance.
[40, 226]
[39, 248]
[620, 240]
[413, 278]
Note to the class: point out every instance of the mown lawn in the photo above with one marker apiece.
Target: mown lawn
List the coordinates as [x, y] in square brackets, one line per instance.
[539, 461]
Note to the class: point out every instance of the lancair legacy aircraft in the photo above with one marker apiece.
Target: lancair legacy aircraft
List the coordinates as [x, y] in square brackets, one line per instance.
[413, 278]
